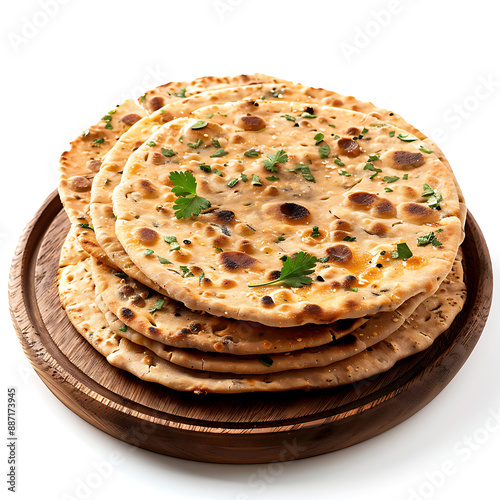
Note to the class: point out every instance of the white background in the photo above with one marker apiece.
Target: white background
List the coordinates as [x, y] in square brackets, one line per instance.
[428, 60]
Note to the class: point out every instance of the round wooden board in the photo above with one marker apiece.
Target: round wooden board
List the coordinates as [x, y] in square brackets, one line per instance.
[240, 428]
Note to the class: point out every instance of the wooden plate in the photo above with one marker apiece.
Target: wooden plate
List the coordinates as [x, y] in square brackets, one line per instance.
[248, 428]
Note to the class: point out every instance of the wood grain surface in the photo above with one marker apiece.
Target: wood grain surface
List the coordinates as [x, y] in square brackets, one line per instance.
[240, 428]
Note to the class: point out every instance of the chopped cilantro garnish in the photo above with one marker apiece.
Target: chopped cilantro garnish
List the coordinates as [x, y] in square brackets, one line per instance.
[197, 144]
[157, 306]
[279, 157]
[123, 328]
[307, 115]
[373, 158]
[186, 272]
[188, 202]
[349, 238]
[256, 180]
[433, 197]
[217, 172]
[148, 252]
[199, 124]
[425, 150]
[233, 182]
[163, 260]
[273, 178]
[402, 252]
[220, 152]
[392, 133]
[379, 125]
[181, 93]
[315, 232]
[252, 153]
[390, 179]
[353, 289]
[151, 144]
[265, 360]
[407, 138]
[318, 138]
[344, 172]
[205, 167]
[369, 166]
[289, 118]
[99, 141]
[216, 143]
[388, 190]
[305, 171]
[172, 240]
[405, 177]
[86, 226]
[294, 271]
[324, 151]
[339, 162]
[168, 152]
[422, 241]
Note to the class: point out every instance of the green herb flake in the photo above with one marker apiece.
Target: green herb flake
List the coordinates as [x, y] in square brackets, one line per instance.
[305, 171]
[289, 118]
[353, 289]
[405, 177]
[294, 272]
[379, 125]
[318, 138]
[202, 275]
[433, 197]
[402, 252]
[186, 272]
[373, 158]
[157, 306]
[172, 241]
[425, 150]
[427, 239]
[339, 162]
[181, 138]
[206, 168]
[181, 93]
[217, 172]
[390, 179]
[407, 138]
[168, 152]
[265, 360]
[252, 153]
[315, 232]
[216, 143]
[349, 238]
[199, 124]
[148, 252]
[120, 274]
[123, 328]
[233, 182]
[324, 151]
[99, 141]
[220, 152]
[256, 180]
[142, 98]
[163, 260]
[278, 157]
[392, 133]
[344, 172]
[371, 167]
[323, 260]
[196, 145]
[86, 226]
[307, 115]
[388, 190]
[151, 144]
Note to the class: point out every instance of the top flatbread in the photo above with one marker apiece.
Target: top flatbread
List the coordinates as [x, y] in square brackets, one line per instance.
[241, 239]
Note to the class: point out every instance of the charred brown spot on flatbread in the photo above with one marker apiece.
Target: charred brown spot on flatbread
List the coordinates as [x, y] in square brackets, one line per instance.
[79, 184]
[251, 123]
[125, 291]
[236, 260]
[362, 198]
[94, 165]
[294, 211]
[157, 159]
[153, 330]
[349, 147]
[339, 253]
[147, 235]
[146, 188]
[353, 131]
[126, 313]
[156, 103]
[130, 119]
[267, 301]
[274, 275]
[379, 229]
[385, 208]
[313, 310]
[223, 216]
[417, 209]
[406, 160]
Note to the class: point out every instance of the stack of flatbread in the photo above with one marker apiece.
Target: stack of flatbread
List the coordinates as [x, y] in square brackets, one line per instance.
[251, 234]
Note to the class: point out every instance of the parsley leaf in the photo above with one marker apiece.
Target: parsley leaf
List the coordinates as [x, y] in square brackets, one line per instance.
[294, 271]
[233, 182]
[305, 171]
[273, 178]
[181, 93]
[216, 143]
[373, 158]
[307, 115]
[151, 144]
[349, 238]
[86, 226]
[279, 157]
[148, 252]
[197, 144]
[256, 180]
[392, 133]
[188, 202]
[186, 272]
[344, 172]
[163, 260]
[390, 179]
[339, 162]
[289, 118]
[369, 166]
[319, 137]
[205, 167]
[123, 328]
[315, 232]
[402, 252]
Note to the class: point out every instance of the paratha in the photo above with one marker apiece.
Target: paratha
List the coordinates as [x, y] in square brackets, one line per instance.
[77, 297]
[245, 227]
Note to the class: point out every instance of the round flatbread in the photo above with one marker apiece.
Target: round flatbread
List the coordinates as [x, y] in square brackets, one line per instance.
[269, 180]
[77, 297]
[101, 207]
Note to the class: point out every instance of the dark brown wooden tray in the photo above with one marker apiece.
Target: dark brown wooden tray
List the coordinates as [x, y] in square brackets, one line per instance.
[248, 428]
